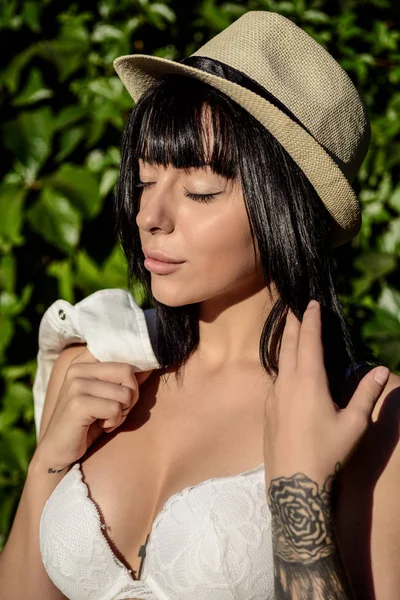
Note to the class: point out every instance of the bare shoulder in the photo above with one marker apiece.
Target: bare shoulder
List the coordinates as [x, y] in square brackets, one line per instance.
[366, 510]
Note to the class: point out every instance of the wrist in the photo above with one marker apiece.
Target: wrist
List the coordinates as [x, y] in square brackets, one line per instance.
[301, 519]
[41, 464]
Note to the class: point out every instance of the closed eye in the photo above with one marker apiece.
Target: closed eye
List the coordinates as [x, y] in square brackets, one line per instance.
[201, 197]
[198, 197]
[141, 184]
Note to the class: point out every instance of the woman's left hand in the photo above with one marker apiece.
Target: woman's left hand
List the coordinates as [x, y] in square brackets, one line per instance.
[304, 430]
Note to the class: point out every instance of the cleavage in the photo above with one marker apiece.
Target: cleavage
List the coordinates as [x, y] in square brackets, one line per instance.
[136, 470]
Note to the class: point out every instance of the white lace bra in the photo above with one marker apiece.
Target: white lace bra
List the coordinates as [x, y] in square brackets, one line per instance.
[211, 541]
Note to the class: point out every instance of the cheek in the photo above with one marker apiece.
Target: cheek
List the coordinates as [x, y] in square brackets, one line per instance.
[222, 245]
[220, 257]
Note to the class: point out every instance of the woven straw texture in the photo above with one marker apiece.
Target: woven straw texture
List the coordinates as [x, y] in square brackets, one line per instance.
[298, 71]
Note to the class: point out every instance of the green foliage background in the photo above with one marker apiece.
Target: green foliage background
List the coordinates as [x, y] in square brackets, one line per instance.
[62, 113]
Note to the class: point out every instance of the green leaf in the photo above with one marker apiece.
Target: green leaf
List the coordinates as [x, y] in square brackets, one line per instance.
[6, 333]
[16, 449]
[375, 212]
[10, 77]
[13, 372]
[95, 130]
[30, 12]
[389, 300]
[67, 55]
[107, 87]
[88, 273]
[389, 241]
[96, 160]
[361, 285]
[29, 138]
[315, 16]
[17, 404]
[11, 215]
[90, 276]
[69, 115]
[385, 187]
[375, 264]
[156, 10]
[34, 90]
[104, 32]
[7, 272]
[55, 219]
[79, 186]
[108, 181]
[382, 331]
[11, 304]
[69, 50]
[62, 271]
[69, 140]
[114, 269]
[383, 324]
[394, 200]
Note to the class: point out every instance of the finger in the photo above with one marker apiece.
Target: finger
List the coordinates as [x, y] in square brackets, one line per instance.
[91, 409]
[106, 389]
[287, 361]
[115, 372]
[310, 357]
[359, 409]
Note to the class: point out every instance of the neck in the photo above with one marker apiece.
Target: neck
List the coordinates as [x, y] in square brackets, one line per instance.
[230, 327]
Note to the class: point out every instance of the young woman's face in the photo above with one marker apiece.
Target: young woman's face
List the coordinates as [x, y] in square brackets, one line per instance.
[210, 235]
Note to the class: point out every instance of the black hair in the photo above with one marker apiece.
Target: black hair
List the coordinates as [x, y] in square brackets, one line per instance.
[288, 221]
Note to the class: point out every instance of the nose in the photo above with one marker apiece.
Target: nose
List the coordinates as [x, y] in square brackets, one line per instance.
[154, 211]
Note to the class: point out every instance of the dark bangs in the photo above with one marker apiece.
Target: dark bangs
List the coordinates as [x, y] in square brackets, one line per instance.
[170, 129]
[288, 221]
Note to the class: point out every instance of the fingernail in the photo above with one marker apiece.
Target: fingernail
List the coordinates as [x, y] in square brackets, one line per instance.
[381, 375]
[312, 303]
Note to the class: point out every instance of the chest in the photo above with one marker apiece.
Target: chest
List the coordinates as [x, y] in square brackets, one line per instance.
[176, 436]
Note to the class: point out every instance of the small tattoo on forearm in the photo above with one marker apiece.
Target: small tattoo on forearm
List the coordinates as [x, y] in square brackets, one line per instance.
[50, 470]
[307, 562]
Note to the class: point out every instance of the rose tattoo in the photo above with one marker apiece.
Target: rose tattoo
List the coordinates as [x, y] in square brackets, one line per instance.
[307, 564]
[301, 518]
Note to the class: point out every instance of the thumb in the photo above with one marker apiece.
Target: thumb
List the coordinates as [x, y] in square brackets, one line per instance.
[367, 393]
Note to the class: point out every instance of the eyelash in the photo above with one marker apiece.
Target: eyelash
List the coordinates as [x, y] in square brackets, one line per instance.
[198, 197]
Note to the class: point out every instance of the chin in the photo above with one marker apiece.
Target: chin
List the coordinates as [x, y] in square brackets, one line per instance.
[174, 298]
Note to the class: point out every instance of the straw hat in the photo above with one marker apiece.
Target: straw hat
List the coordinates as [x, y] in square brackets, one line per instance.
[294, 87]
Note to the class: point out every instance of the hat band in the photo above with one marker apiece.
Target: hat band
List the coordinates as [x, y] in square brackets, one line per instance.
[216, 67]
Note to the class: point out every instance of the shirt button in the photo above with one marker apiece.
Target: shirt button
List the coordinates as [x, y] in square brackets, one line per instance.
[61, 314]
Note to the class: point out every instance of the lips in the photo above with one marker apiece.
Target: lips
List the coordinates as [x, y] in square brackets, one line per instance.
[160, 267]
[161, 256]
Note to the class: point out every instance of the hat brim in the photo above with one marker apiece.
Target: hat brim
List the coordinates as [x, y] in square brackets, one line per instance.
[138, 71]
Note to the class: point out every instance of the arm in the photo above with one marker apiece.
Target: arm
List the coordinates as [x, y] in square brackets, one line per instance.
[307, 562]
[307, 439]
[22, 574]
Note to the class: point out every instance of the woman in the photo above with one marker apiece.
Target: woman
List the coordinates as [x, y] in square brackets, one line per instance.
[235, 173]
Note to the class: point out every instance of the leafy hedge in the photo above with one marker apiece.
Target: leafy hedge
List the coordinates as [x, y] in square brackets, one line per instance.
[63, 111]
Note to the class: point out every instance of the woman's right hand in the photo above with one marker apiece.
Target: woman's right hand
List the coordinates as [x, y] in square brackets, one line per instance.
[95, 397]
